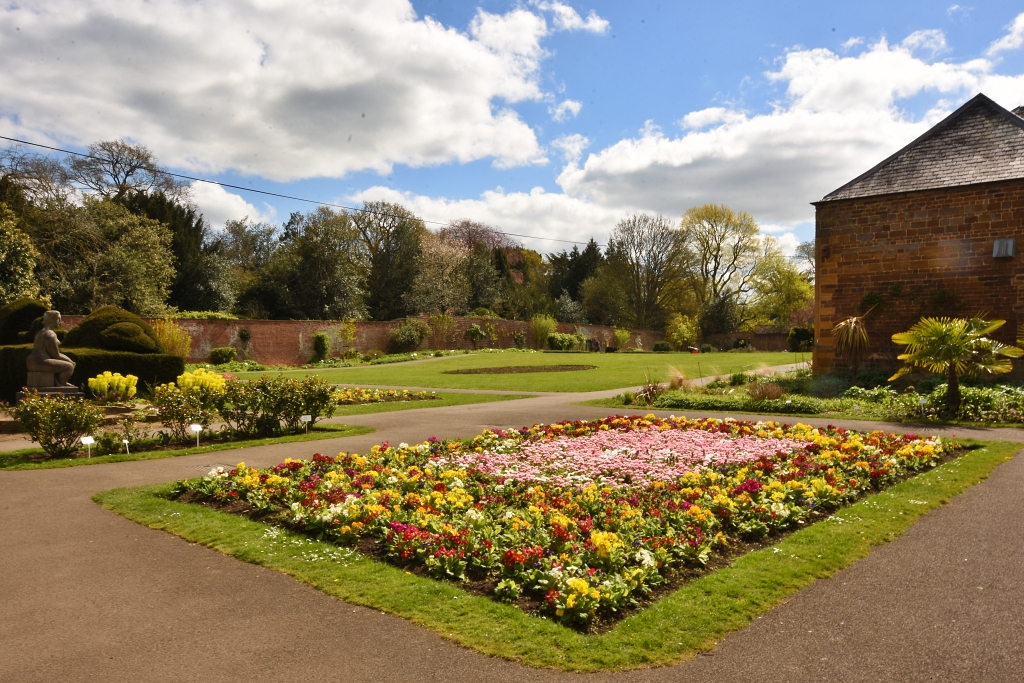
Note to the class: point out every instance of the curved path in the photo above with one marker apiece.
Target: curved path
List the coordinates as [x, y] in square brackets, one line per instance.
[88, 595]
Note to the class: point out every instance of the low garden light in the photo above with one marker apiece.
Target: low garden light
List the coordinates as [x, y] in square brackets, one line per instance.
[88, 441]
[197, 429]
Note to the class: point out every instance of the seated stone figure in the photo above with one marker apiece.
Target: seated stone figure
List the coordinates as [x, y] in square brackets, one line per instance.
[47, 366]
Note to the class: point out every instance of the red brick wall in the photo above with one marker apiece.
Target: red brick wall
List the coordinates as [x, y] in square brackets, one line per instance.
[927, 253]
[290, 342]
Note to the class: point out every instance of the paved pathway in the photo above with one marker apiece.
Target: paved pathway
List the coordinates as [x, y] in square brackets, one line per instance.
[87, 595]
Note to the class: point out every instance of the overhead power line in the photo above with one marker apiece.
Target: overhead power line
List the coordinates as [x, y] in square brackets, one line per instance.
[276, 194]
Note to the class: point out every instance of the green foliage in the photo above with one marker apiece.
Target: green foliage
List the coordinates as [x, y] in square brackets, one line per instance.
[706, 348]
[801, 338]
[850, 336]
[621, 338]
[542, 325]
[558, 341]
[17, 260]
[222, 354]
[173, 337]
[151, 368]
[57, 423]
[203, 315]
[269, 404]
[390, 238]
[955, 347]
[321, 346]
[112, 387]
[662, 347]
[691, 401]
[828, 386]
[89, 332]
[721, 316]
[682, 330]
[127, 337]
[373, 354]
[519, 339]
[474, 333]
[180, 408]
[569, 270]
[408, 336]
[17, 316]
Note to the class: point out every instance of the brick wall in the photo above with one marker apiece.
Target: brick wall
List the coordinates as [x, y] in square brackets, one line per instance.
[290, 342]
[918, 253]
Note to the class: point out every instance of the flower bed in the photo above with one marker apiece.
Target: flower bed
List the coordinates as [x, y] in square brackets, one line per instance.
[356, 396]
[578, 520]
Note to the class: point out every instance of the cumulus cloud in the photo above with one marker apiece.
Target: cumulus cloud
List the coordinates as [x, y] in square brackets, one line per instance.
[839, 116]
[219, 206]
[568, 19]
[275, 88]
[1012, 40]
[932, 40]
[565, 110]
[572, 146]
[537, 214]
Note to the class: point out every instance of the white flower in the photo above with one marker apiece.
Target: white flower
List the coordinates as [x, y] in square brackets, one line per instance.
[403, 445]
[645, 558]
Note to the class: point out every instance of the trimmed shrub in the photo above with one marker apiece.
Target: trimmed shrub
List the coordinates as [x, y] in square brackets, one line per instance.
[800, 338]
[127, 337]
[222, 354]
[706, 348]
[151, 368]
[372, 354]
[89, 333]
[58, 422]
[661, 347]
[321, 346]
[18, 316]
[559, 341]
[408, 336]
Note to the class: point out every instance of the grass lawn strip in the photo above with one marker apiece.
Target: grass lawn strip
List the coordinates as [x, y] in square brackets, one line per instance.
[614, 370]
[676, 627]
[27, 458]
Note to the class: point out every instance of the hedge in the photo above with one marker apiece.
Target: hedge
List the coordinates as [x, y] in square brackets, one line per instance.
[150, 368]
[17, 316]
[89, 334]
[807, 405]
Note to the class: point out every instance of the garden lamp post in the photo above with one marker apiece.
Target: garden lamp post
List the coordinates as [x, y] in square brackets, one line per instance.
[197, 429]
[88, 441]
[126, 450]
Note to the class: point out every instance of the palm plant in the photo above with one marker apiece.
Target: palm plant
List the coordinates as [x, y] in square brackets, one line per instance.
[955, 347]
[851, 340]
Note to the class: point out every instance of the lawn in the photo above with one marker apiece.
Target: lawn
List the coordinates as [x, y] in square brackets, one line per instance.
[613, 370]
[680, 624]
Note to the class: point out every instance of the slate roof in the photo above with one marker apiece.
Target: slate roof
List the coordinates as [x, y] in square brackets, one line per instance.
[980, 142]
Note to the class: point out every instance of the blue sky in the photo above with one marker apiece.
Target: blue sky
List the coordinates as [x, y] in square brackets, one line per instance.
[452, 108]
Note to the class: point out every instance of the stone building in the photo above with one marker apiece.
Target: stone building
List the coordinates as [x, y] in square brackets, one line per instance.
[930, 231]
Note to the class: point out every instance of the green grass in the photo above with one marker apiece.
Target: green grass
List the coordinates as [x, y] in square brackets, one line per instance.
[23, 459]
[614, 370]
[445, 400]
[680, 625]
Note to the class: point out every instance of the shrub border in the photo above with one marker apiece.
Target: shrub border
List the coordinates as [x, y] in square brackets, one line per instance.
[677, 627]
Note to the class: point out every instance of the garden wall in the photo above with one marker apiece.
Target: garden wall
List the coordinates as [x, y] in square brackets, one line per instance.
[913, 254]
[290, 342]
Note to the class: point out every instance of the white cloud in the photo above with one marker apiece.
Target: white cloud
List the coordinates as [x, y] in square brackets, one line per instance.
[568, 19]
[565, 110]
[1012, 40]
[852, 43]
[276, 88]
[839, 116]
[572, 146]
[932, 40]
[219, 206]
[536, 213]
[958, 11]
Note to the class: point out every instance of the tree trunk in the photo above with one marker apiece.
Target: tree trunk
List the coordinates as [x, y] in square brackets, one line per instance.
[952, 390]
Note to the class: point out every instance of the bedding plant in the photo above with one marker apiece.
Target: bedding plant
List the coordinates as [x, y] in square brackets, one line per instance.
[578, 521]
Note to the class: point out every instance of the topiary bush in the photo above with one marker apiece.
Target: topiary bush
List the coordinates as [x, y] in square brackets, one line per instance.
[90, 332]
[222, 354]
[801, 338]
[662, 347]
[57, 422]
[18, 316]
[321, 346]
[408, 336]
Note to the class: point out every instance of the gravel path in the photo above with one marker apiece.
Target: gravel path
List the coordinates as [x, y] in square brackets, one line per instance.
[88, 595]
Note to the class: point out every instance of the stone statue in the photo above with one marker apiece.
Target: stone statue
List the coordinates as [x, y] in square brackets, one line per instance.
[47, 366]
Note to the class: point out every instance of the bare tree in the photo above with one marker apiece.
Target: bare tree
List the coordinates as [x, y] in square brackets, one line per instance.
[115, 168]
[646, 256]
[470, 233]
[805, 260]
[43, 180]
[441, 285]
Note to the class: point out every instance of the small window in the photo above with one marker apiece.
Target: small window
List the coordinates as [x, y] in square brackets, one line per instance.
[1002, 248]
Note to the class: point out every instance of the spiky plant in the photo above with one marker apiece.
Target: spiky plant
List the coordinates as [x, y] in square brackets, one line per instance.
[851, 339]
[955, 347]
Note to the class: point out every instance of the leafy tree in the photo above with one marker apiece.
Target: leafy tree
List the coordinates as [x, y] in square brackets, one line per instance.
[805, 259]
[114, 169]
[328, 282]
[17, 260]
[646, 259]
[603, 300]
[779, 288]
[955, 347]
[440, 285]
[484, 281]
[569, 270]
[203, 281]
[723, 254]
[720, 316]
[682, 330]
[391, 237]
